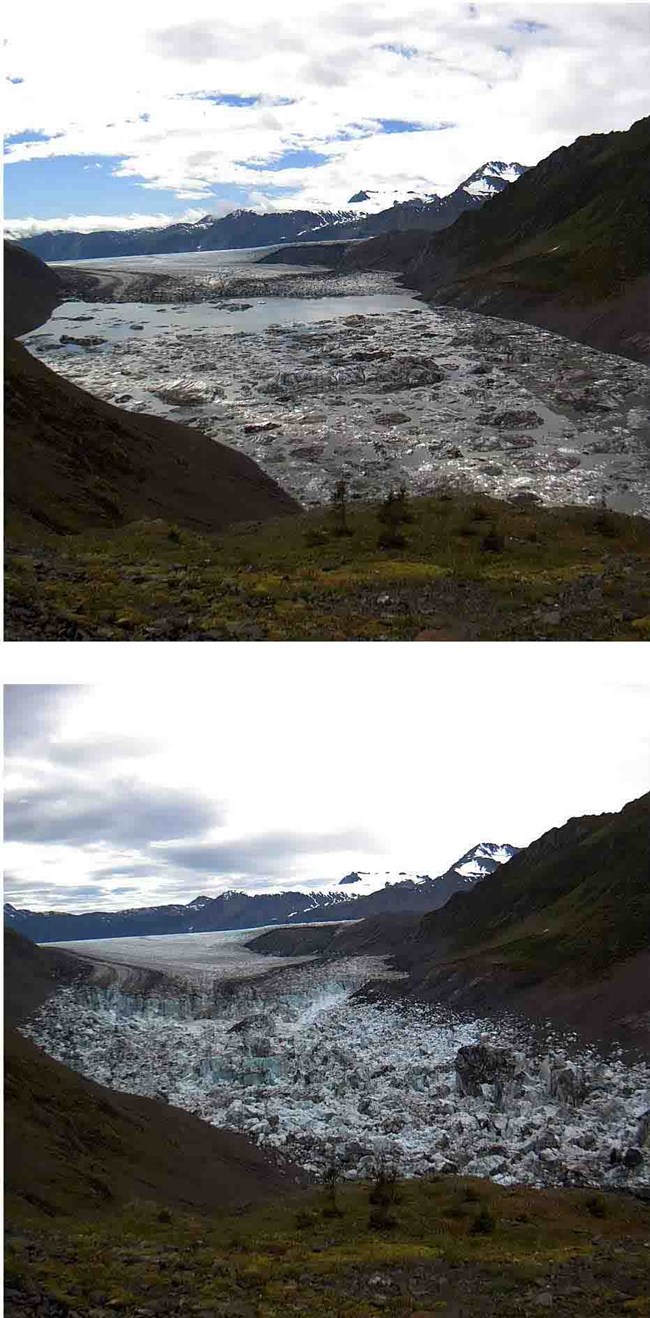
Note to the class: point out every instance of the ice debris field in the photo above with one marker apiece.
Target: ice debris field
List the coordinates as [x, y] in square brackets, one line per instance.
[318, 376]
[302, 1066]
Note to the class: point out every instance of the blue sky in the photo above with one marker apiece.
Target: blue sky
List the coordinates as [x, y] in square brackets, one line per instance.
[173, 116]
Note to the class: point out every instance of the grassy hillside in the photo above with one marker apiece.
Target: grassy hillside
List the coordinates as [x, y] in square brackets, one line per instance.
[577, 224]
[560, 932]
[579, 897]
[442, 1246]
[468, 569]
[567, 246]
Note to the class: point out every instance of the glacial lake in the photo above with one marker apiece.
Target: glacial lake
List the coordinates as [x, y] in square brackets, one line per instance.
[319, 375]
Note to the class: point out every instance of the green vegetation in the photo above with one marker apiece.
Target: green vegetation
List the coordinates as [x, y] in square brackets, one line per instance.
[484, 570]
[576, 225]
[576, 902]
[489, 1249]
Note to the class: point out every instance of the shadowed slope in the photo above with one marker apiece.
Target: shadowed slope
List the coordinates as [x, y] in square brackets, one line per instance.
[31, 291]
[73, 462]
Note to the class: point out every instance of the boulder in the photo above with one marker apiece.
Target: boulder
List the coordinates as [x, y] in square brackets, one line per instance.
[567, 1084]
[483, 1064]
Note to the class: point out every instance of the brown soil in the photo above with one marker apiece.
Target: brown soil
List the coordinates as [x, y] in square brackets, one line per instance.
[72, 1145]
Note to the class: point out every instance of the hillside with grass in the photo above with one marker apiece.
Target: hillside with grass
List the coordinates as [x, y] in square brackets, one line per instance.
[561, 930]
[567, 246]
[459, 568]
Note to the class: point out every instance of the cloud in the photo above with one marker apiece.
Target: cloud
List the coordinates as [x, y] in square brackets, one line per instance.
[32, 714]
[120, 812]
[267, 854]
[198, 103]
[22, 228]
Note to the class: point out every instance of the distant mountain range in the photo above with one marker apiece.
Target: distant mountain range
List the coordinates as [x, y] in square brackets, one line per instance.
[247, 228]
[351, 898]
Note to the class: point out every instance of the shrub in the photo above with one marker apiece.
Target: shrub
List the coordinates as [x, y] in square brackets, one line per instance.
[339, 506]
[604, 523]
[391, 540]
[315, 537]
[483, 1224]
[305, 1219]
[596, 1205]
[379, 1219]
[493, 542]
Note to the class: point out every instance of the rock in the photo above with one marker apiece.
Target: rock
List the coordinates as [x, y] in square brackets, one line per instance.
[83, 341]
[392, 418]
[632, 1158]
[483, 1064]
[643, 1129]
[510, 419]
[521, 441]
[567, 1084]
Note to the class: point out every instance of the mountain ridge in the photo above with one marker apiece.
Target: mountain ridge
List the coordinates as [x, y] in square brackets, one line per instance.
[566, 247]
[561, 933]
[243, 228]
[239, 910]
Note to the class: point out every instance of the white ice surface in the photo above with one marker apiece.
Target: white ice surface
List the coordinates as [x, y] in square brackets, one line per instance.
[314, 1072]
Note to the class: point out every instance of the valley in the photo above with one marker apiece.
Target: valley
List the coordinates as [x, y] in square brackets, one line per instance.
[321, 375]
[295, 1057]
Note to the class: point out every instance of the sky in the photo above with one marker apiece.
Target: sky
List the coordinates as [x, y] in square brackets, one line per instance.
[291, 767]
[128, 114]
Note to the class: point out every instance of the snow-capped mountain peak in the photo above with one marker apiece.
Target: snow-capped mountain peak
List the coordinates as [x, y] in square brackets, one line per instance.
[484, 859]
[492, 177]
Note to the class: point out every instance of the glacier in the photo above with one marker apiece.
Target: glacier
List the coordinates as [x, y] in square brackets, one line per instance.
[301, 1062]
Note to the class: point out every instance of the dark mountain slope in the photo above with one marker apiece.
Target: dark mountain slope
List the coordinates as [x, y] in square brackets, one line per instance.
[73, 462]
[247, 228]
[32, 973]
[567, 246]
[31, 291]
[72, 1146]
[561, 932]
[578, 898]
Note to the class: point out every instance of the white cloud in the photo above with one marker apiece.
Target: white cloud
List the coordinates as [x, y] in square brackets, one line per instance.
[511, 92]
[90, 223]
